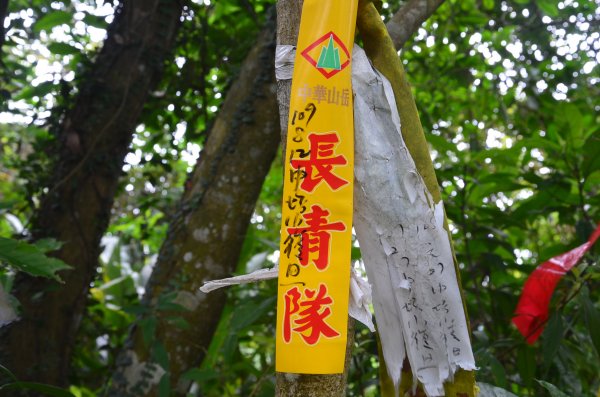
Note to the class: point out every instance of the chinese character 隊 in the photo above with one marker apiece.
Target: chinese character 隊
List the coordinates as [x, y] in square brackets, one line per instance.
[305, 313]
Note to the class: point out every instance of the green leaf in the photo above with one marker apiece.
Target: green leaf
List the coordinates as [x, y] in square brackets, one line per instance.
[355, 253]
[166, 303]
[164, 386]
[489, 390]
[219, 339]
[148, 326]
[95, 21]
[553, 390]
[553, 335]
[498, 371]
[178, 322]
[30, 259]
[548, 7]
[52, 19]
[48, 244]
[63, 49]
[487, 187]
[248, 313]
[575, 127]
[39, 90]
[592, 319]
[200, 375]
[591, 154]
[440, 143]
[539, 143]
[45, 390]
[161, 356]
[526, 364]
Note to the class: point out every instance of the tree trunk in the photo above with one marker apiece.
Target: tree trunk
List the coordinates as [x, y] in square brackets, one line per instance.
[93, 140]
[301, 385]
[3, 12]
[206, 235]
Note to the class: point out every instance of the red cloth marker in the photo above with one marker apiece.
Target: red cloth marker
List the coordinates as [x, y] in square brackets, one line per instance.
[531, 313]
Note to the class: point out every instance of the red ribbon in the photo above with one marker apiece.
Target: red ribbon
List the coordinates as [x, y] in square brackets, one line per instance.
[531, 313]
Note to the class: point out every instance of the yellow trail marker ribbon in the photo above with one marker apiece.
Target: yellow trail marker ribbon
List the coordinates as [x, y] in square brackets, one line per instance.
[316, 228]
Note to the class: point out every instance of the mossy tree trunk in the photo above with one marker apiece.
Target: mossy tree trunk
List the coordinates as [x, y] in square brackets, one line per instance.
[205, 236]
[93, 139]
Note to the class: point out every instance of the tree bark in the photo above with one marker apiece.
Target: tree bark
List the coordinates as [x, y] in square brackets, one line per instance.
[301, 385]
[206, 235]
[3, 13]
[93, 139]
[288, 27]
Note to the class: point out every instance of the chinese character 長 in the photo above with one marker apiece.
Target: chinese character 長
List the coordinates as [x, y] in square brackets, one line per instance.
[319, 166]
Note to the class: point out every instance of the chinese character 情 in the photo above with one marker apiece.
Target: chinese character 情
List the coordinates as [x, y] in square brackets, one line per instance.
[315, 237]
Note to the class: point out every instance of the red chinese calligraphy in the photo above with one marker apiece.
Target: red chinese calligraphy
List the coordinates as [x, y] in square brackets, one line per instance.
[306, 315]
[319, 165]
[315, 238]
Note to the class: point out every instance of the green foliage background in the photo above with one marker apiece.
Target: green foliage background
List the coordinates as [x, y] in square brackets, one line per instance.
[508, 96]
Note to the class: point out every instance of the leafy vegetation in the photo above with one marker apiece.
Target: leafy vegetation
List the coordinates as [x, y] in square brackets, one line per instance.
[30, 258]
[507, 92]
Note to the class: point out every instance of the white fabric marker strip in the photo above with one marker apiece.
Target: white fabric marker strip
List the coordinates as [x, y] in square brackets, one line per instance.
[360, 301]
[360, 291]
[284, 61]
[7, 310]
[405, 247]
[256, 276]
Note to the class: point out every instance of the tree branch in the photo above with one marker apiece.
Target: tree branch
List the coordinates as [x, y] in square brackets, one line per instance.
[407, 20]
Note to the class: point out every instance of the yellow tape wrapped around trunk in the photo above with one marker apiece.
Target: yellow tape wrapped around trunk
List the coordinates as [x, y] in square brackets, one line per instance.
[316, 229]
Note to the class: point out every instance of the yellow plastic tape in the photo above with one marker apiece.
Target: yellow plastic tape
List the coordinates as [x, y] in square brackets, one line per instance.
[316, 229]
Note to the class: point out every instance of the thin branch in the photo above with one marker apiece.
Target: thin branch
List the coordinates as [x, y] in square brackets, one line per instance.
[407, 20]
